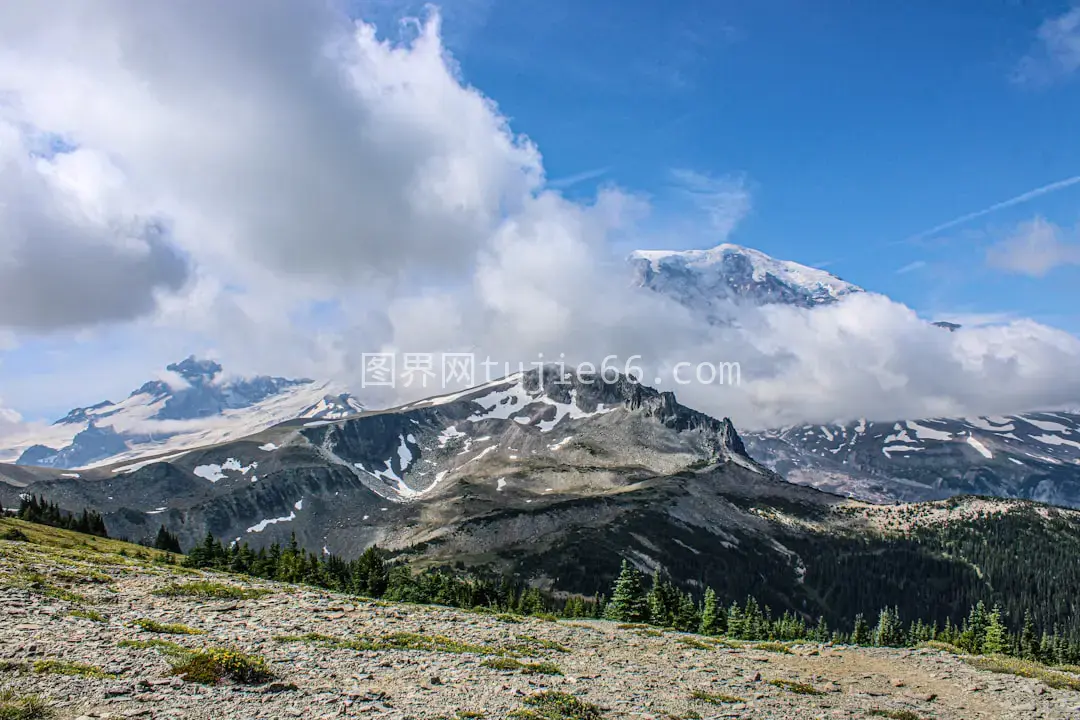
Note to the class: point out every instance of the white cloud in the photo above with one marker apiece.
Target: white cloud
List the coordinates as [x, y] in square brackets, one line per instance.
[10, 421]
[70, 254]
[332, 193]
[911, 267]
[1056, 54]
[725, 200]
[1034, 248]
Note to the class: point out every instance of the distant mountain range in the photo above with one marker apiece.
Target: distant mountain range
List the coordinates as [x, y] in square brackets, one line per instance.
[1032, 455]
[196, 407]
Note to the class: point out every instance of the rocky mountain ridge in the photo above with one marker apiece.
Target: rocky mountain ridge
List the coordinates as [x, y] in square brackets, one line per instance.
[1031, 455]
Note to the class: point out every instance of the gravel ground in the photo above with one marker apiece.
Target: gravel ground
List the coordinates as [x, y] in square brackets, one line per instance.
[627, 672]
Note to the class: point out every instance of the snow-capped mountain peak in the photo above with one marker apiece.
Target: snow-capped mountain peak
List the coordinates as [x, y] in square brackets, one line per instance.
[729, 273]
[194, 405]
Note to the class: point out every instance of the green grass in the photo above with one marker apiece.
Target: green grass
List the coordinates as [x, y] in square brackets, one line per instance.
[895, 714]
[552, 705]
[394, 641]
[87, 614]
[206, 590]
[800, 688]
[26, 707]
[528, 645]
[509, 618]
[715, 698]
[508, 663]
[772, 647]
[167, 628]
[63, 667]
[210, 667]
[695, 643]
[13, 535]
[1025, 668]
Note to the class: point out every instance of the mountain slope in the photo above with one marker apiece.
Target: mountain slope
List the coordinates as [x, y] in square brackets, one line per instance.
[709, 281]
[626, 671]
[197, 407]
[1032, 455]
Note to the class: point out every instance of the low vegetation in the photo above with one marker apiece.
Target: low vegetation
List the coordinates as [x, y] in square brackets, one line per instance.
[167, 628]
[87, 614]
[895, 714]
[64, 667]
[715, 698]
[552, 705]
[210, 667]
[509, 663]
[204, 589]
[1025, 668]
[794, 686]
[25, 707]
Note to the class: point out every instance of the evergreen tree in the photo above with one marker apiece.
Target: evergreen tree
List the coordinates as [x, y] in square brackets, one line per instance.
[995, 637]
[1029, 647]
[687, 617]
[167, 541]
[712, 617]
[860, 633]
[628, 603]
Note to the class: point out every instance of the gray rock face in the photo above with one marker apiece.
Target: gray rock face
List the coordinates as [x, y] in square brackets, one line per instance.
[1033, 456]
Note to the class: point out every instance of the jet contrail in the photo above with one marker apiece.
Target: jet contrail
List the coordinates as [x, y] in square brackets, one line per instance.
[1029, 195]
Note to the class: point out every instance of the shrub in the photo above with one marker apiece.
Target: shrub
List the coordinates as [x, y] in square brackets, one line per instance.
[210, 667]
[86, 614]
[552, 705]
[27, 707]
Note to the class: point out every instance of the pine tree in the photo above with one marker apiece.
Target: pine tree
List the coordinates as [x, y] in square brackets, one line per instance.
[712, 618]
[860, 634]
[628, 602]
[995, 637]
[1029, 645]
[974, 632]
[687, 617]
[167, 541]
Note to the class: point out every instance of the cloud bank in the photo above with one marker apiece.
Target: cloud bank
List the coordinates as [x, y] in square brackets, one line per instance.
[291, 189]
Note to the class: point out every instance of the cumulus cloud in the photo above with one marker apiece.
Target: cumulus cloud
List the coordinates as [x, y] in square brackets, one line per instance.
[1056, 54]
[332, 192]
[67, 258]
[1034, 248]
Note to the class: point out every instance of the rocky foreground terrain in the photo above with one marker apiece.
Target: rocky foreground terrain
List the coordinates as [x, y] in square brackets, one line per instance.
[87, 625]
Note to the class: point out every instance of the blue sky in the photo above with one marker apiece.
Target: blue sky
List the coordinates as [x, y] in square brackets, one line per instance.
[856, 125]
